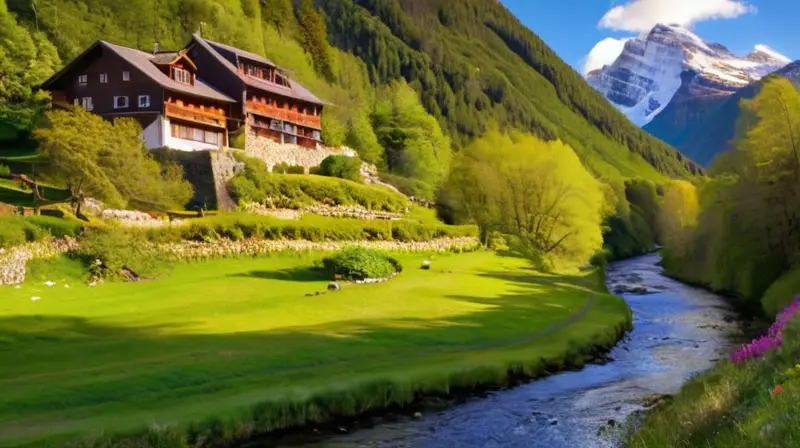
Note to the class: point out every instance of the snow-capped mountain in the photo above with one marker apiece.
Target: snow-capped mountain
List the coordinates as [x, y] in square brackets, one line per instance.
[654, 66]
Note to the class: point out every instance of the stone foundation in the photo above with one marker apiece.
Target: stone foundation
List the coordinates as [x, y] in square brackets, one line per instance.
[273, 153]
[14, 261]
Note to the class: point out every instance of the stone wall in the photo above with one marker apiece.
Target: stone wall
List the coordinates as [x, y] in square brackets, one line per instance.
[196, 250]
[14, 261]
[223, 167]
[273, 153]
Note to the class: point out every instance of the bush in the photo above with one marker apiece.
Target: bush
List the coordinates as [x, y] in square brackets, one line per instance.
[280, 168]
[238, 141]
[16, 230]
[296, 169]
[343, 167]
[4, 170]
[58, 227]
[358, 263]
[118, 250]
[410, 187]
[292, 191]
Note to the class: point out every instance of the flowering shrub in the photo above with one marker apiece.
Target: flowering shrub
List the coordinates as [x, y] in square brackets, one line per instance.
[774, 337]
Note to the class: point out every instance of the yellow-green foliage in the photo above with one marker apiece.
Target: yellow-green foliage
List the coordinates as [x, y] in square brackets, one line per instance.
[745, 236]
[536, 191]
[256, 184]
[238, 226]
[782, 292]
[234, 348]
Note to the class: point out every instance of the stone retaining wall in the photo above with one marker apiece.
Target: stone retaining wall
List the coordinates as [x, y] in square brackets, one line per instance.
[339, 211]
[194, 250]
[13, 261]
[273, 153]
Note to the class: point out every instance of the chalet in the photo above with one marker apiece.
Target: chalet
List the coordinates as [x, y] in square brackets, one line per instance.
[162, 90]
[270, 103]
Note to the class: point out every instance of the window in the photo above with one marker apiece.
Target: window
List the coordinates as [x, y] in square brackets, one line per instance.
[86, 103]
[103, 78]
[120, 102]
[76, 101]
[144, 100]
[198, 135]
[126, 76]
[181, 75]
[212, 137]
[83, 79]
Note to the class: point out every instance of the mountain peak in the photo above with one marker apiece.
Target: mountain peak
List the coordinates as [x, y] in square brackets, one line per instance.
[763, 53]
[643, 80]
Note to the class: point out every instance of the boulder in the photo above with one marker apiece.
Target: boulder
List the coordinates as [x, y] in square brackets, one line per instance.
[334, 286]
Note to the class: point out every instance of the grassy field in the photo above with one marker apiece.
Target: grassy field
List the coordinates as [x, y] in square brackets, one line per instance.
[733, 406]
[238, 346]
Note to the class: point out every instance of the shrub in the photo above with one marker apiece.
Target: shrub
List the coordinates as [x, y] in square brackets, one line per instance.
[4, 170]
[16, 230]
[58, 227]
[296, 169]
[358, 263]
[238, 141]
[280, 168]
[118, 250]
[410, 187]
[343, 167]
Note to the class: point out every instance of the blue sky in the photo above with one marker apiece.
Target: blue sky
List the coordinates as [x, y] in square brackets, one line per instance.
[573, 27]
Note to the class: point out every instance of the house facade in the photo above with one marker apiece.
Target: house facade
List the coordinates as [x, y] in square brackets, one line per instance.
[193, 99]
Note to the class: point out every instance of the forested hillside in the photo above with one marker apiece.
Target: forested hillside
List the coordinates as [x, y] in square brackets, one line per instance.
[409, 82]
[472, 62]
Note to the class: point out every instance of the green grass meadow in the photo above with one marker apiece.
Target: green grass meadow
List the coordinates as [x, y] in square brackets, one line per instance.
[232, 348]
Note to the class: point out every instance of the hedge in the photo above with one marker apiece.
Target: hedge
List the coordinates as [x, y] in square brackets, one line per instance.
[293, 191]
[410, 187]
[16, 230]
[238, 226]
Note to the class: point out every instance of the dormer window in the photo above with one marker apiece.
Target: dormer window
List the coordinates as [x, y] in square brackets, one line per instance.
[182, 76]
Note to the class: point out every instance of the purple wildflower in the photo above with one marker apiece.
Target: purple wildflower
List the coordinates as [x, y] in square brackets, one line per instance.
[774, 337]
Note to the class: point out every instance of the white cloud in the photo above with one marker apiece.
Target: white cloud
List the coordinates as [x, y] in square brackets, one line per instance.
[642, 15]
[605, 52]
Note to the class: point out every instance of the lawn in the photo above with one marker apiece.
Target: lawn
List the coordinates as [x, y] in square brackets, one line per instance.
[218, 338]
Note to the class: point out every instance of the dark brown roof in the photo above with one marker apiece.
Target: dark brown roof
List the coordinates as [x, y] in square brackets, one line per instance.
[144, 62]
[295, 90]
[241, 53]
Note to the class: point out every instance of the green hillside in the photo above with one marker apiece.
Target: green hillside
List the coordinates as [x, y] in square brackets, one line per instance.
[474, 64]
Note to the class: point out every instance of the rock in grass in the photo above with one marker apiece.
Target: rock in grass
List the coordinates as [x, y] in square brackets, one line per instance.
[426, 265]
[334, 286]
[418, 415]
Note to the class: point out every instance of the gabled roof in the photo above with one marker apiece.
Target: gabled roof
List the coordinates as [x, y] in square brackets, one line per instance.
[144, 63]
[295, 90]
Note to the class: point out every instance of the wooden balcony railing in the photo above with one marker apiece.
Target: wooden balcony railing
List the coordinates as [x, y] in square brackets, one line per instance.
[311, 121]
[200, 114]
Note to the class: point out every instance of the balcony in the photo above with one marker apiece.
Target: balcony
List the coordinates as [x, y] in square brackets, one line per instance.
[311, 121]
[207, 115]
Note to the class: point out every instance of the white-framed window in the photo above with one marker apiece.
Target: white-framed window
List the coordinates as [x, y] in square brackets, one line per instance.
[126, 76]
[181, 75]
[83, 79]
[120, 102]
[76, 101]
[86, 103]
[144, 100]
[103, 78]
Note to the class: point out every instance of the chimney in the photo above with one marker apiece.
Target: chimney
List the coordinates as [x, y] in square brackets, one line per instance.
[156, 47]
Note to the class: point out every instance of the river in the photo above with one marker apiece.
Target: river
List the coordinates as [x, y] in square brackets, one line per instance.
[679, 331]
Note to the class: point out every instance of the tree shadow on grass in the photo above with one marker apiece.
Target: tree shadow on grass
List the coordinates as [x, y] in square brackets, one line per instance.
[82, 365]
[299, 274]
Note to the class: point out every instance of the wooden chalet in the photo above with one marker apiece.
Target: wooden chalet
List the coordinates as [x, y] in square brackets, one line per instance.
[191, 99]
[162, 90]
[271, 104]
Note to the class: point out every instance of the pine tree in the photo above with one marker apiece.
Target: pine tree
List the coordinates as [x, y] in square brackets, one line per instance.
[314, 33]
